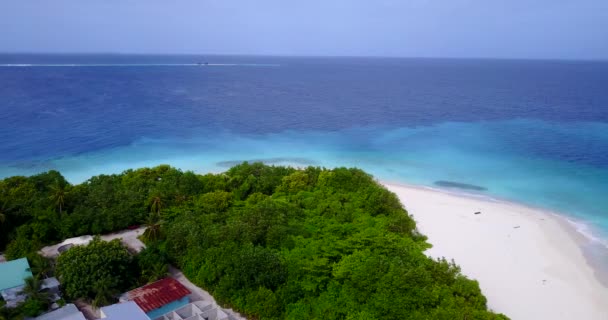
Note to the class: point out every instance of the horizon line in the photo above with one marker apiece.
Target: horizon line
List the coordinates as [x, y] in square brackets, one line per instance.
[306, 56]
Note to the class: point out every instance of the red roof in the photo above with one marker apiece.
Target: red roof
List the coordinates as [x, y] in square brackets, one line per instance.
[157, 294]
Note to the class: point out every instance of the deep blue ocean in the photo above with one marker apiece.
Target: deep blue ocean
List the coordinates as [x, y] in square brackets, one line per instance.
[534, 132]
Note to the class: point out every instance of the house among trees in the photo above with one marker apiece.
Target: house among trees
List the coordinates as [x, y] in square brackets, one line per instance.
[166, 299]
[12, 281]
[159, 298]
[198, 310]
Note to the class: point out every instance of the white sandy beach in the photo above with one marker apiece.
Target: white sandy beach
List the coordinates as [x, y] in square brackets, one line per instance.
[528, 262]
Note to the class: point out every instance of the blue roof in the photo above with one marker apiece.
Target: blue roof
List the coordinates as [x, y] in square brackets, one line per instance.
[13, 273]
[124, 311]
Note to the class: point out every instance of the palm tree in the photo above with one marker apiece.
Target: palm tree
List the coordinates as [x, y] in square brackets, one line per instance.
[32, 288]
[158, 271]
[58, 195]
[104, 290]
[153, 221]
[156, 205]
[152, 226]
[40, 266]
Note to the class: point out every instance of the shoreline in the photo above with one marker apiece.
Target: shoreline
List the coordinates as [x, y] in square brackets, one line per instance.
[583, 232]
[530, 262]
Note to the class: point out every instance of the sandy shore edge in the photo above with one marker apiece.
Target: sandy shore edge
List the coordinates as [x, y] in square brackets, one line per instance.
[529, 262]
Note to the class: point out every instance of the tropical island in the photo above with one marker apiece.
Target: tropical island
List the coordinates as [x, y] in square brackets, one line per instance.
[271, 242]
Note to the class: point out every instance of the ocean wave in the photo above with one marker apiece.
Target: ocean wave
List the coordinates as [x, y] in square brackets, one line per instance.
[15, 65]
[270, 161]
[587, 231]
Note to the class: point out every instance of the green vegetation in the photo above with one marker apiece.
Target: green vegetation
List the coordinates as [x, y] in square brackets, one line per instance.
[10, 313]
[97, 271]
[45, 209]
[152, 263]
[37, 302]
[272, 242]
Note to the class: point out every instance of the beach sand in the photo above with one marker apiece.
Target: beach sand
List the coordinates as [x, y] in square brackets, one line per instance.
[528, 262]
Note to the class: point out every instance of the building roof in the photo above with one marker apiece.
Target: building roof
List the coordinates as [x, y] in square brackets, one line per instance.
[49, 283]
[157, 294]
[123, 311]
[68, 312]
[13, 273]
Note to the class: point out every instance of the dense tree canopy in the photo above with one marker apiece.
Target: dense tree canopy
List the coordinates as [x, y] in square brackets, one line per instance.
[45, 208]
[279, 243]
[272, 242]
[96, 271]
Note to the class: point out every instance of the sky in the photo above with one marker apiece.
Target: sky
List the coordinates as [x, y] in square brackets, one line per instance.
[535, 29]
